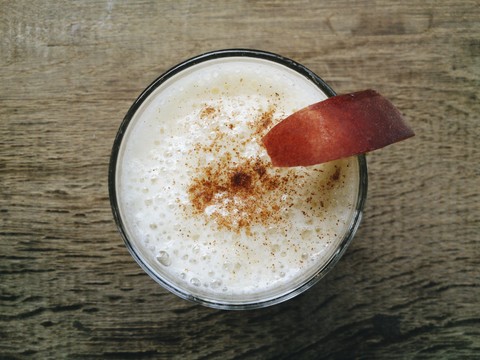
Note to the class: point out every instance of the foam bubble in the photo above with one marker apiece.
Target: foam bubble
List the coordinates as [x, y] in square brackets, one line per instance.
[195, 281]
[164, 258]
[215, 284]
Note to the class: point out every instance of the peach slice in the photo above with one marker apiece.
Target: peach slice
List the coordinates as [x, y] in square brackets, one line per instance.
[338, 127]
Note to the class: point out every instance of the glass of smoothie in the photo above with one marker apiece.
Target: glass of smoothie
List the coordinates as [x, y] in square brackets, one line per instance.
[195, 196]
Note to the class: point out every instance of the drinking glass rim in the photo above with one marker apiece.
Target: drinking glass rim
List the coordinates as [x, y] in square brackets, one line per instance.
[214, 55]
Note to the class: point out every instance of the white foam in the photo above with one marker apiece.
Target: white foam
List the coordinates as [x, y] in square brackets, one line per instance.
[175, 135]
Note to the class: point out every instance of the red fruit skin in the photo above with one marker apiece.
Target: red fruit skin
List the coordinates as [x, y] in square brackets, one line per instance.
[338, 127]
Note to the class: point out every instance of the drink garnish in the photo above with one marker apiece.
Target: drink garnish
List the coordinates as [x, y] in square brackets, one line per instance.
[338, 127]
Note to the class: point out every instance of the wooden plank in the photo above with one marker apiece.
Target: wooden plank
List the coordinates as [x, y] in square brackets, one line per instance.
[408, 286]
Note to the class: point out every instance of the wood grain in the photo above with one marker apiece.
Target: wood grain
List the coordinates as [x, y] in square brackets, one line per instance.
[408, 286]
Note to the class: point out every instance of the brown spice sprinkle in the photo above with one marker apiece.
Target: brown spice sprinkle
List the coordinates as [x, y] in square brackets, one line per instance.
[241, 179]
[265, 121]
[241, 193]
[208, 111]
[237, 194]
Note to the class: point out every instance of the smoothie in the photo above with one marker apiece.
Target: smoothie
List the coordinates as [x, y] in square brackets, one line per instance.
[200, 205]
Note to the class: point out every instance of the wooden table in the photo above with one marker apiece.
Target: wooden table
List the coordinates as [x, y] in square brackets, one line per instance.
[409, 284]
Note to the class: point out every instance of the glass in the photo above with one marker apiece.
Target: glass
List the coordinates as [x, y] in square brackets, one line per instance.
[119, 217]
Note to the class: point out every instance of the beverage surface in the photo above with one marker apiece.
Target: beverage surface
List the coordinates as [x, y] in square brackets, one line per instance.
[199, 198]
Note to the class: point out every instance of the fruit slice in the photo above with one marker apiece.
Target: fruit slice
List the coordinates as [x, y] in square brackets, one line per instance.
[338, 127]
